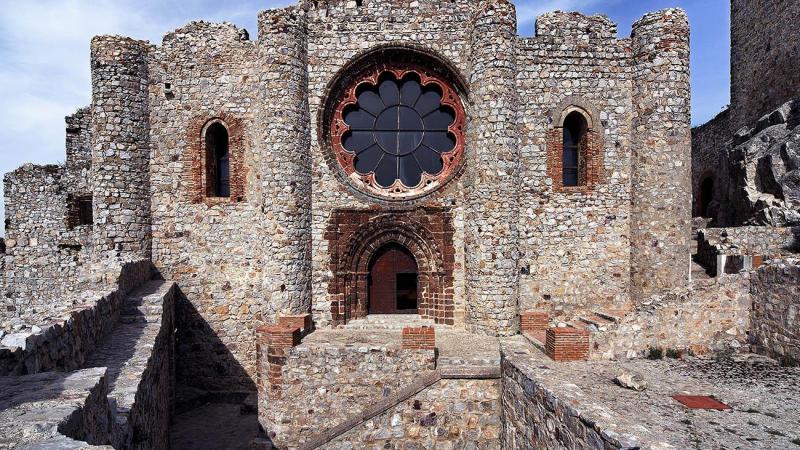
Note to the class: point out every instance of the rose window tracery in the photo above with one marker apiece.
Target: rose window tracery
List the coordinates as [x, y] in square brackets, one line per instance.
[398, 133]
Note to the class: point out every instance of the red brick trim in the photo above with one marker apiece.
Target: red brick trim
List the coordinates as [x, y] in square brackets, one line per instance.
[195, 161]
[534, 321]
[591, 156]
[302, 321]
[422, 338]
[452, 160]
[567, 344]
[276, 340]
[355, 235]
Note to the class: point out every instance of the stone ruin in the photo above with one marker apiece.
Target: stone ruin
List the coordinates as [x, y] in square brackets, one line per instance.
[400, 225]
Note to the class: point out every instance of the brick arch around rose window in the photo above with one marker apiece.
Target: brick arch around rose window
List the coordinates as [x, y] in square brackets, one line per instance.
[355, 236]
[591, 151]
[195, 158]
[394, 56]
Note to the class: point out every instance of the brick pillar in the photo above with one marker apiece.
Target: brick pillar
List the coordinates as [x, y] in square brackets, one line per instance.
[661, 190]
[285, 161]
[272, 342]
[121, 146]
[534, 321]
[567, 344]
[422, 338]
[302, 321]
[491, 185]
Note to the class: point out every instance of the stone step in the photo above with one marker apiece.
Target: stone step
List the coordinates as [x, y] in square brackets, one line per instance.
[388, 322]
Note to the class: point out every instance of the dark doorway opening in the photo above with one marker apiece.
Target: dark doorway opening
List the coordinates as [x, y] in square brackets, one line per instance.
[393, 281]
[706, 195]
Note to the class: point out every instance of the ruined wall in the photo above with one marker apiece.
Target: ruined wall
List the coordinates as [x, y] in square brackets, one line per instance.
[449, 414]
[46, 247]
[765, 54]
[65, 339]
[574, 242]
[339, 32]
[533, 417]
[723, 250]
[661, 177]
[79, 152]
[41, 260]
[708, 151]
[776, 310]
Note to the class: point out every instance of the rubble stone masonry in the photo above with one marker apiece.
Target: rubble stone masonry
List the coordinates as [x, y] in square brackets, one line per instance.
[776, 310]
[502, 236]
[764, 57]
[661, 182]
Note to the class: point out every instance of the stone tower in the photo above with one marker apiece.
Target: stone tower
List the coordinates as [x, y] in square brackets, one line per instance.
[661, 171]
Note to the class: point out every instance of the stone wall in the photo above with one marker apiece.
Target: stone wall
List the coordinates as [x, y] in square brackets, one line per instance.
[534, 417]
[70, 334]
[574, 243]
[322, 384]
[345, 38]
[448, 414]
[708, 150]
[729, 250]
[42, 256]
[775, 329]
[491, 190]
[709, 315]
[764, 57]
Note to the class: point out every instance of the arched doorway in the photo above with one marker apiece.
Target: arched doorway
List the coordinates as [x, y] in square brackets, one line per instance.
[392, 282]
[706, 195]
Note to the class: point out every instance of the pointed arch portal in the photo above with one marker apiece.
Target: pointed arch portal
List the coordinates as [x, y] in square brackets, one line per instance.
[392, 281]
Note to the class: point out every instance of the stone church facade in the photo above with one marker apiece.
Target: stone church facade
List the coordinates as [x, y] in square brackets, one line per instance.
[403, 161]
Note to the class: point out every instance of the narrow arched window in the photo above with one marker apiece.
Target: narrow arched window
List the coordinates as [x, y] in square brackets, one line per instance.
[574, 145]
[217, 161]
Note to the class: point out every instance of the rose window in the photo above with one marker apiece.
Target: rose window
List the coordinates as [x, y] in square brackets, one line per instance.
[398, 133]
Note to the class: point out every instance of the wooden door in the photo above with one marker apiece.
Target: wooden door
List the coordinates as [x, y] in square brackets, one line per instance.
[393, 281]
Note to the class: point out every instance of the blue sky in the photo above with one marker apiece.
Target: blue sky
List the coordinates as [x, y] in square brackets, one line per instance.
[44, 53]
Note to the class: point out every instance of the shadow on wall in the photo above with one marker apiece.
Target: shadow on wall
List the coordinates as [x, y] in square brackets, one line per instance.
[205, 370]
[794, 247]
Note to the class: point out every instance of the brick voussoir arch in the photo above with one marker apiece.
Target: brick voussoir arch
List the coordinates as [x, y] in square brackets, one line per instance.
[353, 269]
[593, 153]
[194, 157]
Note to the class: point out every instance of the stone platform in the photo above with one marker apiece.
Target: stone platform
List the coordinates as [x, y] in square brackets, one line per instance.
[580, 402]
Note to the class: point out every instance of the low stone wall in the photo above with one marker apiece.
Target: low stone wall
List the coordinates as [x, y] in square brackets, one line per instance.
[322, 384]
[534, 417]
[63, 343]
[139, 354]
[775, 288]
[710, 315]
[729, 250]
[55, 410]
[448, 414]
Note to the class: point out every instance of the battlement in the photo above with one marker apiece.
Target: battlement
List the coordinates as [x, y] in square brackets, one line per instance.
[574, 26]
[203, 31]
[320, 9]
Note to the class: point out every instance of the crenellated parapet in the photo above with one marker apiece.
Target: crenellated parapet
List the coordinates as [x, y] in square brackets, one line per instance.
[574, 27]
[661, 177]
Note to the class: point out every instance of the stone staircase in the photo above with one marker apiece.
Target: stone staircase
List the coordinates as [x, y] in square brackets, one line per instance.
[574, 338]
[390, 322]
